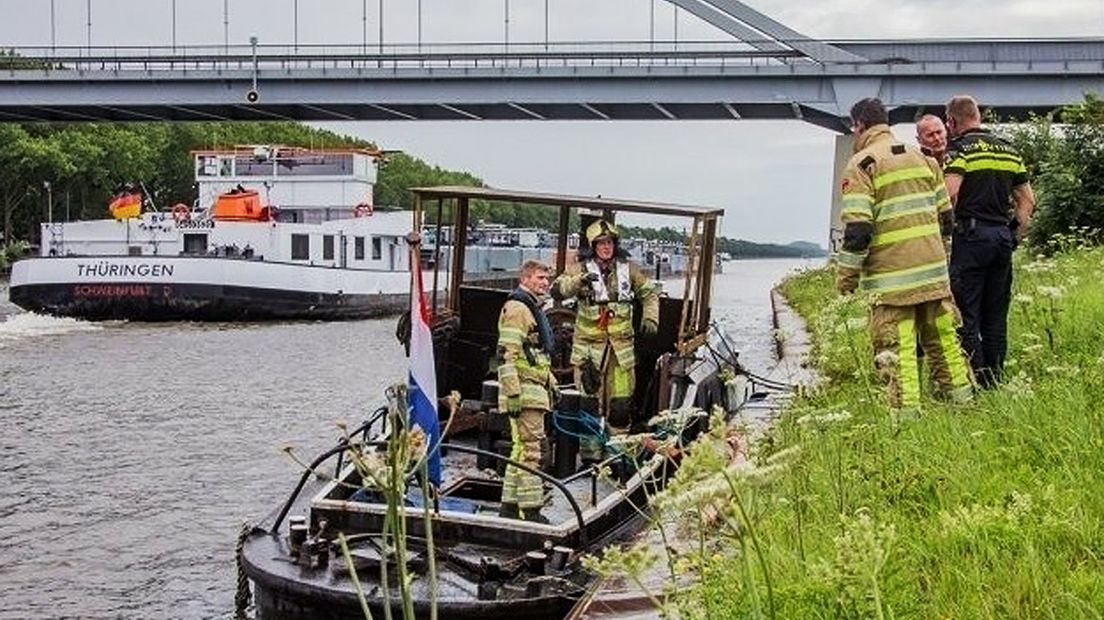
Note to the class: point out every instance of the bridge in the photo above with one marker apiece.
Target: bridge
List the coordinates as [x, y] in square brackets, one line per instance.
[762, 70]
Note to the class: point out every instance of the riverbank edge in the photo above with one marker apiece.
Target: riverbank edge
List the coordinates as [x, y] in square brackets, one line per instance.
[618, 599]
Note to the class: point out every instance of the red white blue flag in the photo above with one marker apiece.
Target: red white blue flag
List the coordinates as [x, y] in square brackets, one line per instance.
[423, 374]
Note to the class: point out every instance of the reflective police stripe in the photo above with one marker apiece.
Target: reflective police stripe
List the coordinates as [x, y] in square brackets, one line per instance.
[908, 204]
[904, 279]
[857, 204]
[904, 234]
[994, 164]
[991, 155]
[904, 174]
[988, 160]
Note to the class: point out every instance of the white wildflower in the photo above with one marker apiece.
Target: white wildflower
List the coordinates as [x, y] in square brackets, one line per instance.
[1040, 265]
[1054, 292]
[1020, 504]
[1056, 370]
[857, 323]
[823, 419]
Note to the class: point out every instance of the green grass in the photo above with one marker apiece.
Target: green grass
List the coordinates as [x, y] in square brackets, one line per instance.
[993, 509]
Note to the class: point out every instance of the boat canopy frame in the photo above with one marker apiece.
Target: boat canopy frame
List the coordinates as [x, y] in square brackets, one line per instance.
[700, 243]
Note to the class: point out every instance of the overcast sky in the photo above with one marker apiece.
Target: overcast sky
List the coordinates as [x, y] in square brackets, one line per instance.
[772, 177]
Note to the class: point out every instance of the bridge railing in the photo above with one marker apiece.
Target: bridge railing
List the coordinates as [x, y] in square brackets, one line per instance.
[494, 55]
[453, 56]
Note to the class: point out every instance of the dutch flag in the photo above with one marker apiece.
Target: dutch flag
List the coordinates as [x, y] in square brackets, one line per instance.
[423, 375]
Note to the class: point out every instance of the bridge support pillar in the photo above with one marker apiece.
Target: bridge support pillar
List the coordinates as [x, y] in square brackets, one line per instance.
[844, 149]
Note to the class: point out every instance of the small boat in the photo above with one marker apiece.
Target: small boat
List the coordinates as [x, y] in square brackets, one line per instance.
[280, 233]
[456, 554]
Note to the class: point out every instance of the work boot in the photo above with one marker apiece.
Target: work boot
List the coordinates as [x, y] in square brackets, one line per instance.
[532, 515]
[508, 510]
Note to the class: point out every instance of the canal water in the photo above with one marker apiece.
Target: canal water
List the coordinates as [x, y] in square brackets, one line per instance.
[130, 454]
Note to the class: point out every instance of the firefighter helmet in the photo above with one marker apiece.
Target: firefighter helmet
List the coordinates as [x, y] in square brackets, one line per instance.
[599, 229]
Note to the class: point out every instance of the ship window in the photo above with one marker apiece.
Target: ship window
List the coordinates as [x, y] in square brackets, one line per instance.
[208, 166]
[358, 248]
[327, 247]
[311, 216]
[226, 167]
[377, 248]
[315, 164]
[250, 166]
[195, 243]
[300, 247]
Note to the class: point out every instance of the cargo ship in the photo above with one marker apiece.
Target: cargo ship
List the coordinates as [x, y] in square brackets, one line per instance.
[275, 233]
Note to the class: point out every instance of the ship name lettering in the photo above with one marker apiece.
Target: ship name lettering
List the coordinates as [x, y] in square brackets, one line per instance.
[104, 269]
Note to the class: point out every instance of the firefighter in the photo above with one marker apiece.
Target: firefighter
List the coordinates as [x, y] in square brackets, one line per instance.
[527, 388]
[605, 285]
[897, 223]
[985, 175]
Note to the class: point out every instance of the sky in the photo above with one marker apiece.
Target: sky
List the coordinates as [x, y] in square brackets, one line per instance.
[773, 178]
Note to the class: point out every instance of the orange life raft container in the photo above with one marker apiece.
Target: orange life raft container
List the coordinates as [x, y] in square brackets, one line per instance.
[239, 205]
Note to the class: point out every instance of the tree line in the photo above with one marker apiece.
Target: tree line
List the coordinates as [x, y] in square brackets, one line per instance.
[72, 170]
[84, 163]
[1064, 154]
[735, 248]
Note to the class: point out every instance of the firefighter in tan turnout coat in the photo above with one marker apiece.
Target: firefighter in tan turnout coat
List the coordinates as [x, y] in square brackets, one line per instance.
[605, 285]
[897, 223]
[527, 388]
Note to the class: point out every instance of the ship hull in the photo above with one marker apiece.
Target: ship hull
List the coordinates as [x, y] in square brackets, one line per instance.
[202, 289]
[285, 593]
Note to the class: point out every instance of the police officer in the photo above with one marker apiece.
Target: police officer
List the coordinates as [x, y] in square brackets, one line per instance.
[985, 176]
[896, 216]
[527, 389]
[606, 284]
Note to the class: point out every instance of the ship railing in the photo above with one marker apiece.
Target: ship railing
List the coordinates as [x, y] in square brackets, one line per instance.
[345, 444]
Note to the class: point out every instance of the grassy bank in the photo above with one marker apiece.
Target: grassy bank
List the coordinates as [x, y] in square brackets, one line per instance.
[990, 510]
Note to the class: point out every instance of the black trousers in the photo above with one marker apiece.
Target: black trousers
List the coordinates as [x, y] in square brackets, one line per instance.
[981, 281]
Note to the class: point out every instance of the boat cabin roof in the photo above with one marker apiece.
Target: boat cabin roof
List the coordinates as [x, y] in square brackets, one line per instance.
[693, 319]
[567, 200]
